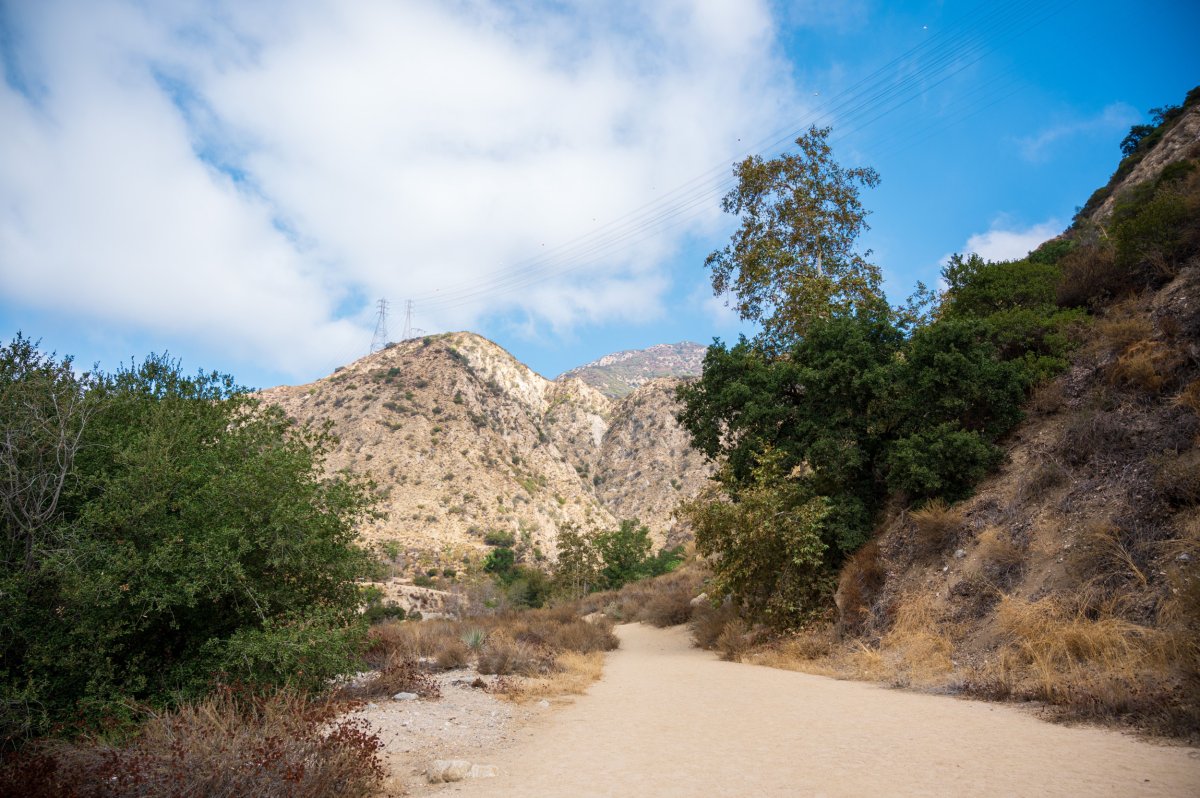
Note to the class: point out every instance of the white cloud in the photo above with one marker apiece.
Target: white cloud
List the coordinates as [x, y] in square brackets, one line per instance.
[1115, 118]
[1000, 244]
[244, 173]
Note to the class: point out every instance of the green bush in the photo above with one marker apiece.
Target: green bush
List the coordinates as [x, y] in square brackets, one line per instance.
[187, 534]
[945, 462]
[765, 547]
[498, 537]
[500, 561]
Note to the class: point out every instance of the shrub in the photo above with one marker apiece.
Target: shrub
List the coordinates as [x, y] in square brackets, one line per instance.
[668, 608]
[1189, 397]
[1156, 235]
[735, 639]
[398, 675]
[499, 538]
[280, 746]
[377, 612]
[1091, 277]
[766, 548]
[944, 461]
[455, 654]
[580, 636]
[935, 526]
[1143, 366]
[195, 534]
[708, 623]
[503, 657]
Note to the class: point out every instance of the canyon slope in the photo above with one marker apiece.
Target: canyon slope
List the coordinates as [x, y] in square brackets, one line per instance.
[462, 441]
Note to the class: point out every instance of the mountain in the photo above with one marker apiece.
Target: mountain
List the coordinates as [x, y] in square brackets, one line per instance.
[462, 441]
[619, 374]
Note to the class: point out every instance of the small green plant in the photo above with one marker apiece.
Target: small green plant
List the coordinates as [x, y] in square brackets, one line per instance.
[474, 639]
[499, 537]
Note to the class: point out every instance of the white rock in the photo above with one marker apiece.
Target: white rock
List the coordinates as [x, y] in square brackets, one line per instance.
[544, 704]
[405, 697]
[446, 770]
[960, 553]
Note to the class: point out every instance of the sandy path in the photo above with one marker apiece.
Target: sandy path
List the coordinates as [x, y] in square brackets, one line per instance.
[669, 720]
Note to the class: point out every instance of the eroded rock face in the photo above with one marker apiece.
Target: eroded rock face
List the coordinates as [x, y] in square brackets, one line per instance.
[621, 373]
[462, 440]
[1179, 142]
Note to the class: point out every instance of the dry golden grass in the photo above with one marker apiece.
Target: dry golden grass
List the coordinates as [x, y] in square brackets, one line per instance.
[1095, 666]
[1189, 397]
[1143, 365]
[1101, 552]
[916, 650]
[574, 673]
[1120, 328]
[934, 527]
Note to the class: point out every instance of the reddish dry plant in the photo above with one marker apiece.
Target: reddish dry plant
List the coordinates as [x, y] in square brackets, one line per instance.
[281, 746]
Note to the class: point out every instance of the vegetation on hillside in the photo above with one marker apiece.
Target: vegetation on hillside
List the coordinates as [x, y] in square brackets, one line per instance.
[162, 534]
[847, 448]
[826, 415]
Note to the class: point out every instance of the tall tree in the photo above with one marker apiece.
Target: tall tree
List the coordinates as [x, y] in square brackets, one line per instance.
[793, 260]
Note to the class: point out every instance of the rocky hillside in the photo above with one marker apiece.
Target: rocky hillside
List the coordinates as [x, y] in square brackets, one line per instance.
[1070, 577]
[619, 374]
[463, 442]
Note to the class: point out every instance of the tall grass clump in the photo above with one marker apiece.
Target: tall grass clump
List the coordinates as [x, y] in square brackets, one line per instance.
[1088, 664]
[935, 526]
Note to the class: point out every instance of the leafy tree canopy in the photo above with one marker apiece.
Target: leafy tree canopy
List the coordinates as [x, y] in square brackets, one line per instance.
[195, 537]
[792, 259]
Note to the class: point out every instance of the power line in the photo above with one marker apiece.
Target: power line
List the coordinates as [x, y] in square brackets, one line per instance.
[408, 328]
[929, 64]
[380, 339]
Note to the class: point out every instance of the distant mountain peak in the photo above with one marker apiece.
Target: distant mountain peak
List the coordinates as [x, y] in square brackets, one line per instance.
[619, 374]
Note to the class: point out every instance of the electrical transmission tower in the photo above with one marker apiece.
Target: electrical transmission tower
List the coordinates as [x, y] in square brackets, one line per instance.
[380, 339]
[408, 328]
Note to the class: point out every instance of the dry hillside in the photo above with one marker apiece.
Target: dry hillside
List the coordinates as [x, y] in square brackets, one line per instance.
[462, 440]
[1071, 576]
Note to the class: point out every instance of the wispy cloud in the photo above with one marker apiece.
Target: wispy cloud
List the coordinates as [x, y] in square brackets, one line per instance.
[255, 174]
[1114, 118]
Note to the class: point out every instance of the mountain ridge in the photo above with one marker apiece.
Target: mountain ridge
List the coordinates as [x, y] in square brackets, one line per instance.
[618, 374]
[464, 441]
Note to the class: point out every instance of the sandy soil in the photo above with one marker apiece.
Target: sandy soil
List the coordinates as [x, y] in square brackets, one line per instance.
[670, 720]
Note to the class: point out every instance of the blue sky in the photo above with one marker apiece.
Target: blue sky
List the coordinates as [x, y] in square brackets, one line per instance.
[236, 183]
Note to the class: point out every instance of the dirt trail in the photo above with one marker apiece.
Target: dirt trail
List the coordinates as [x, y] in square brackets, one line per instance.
[669, 720]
